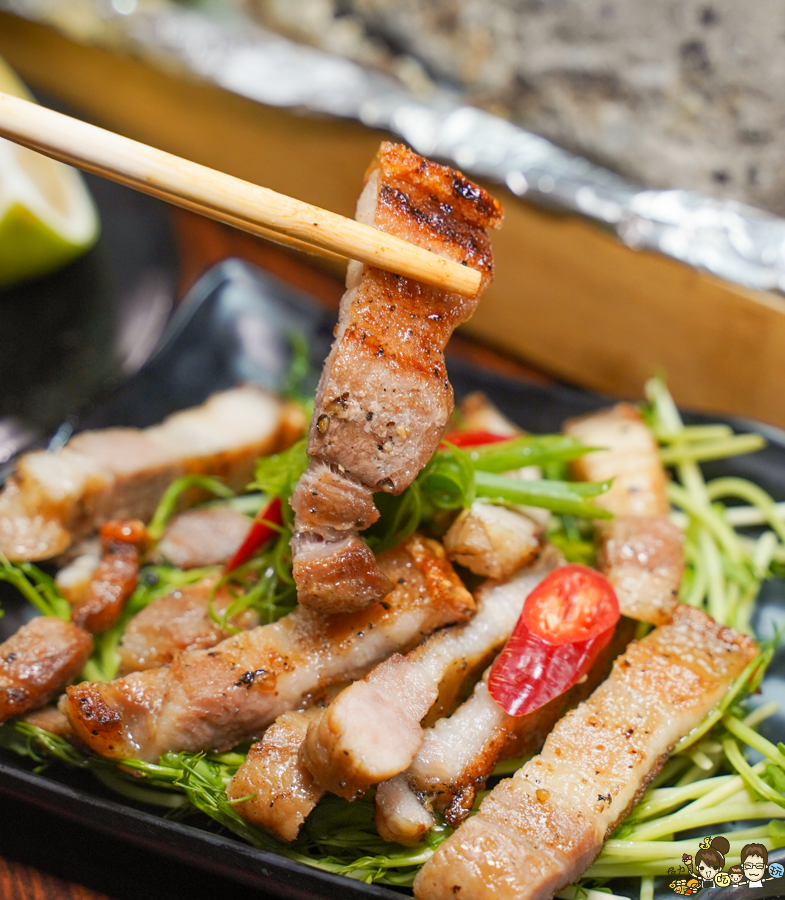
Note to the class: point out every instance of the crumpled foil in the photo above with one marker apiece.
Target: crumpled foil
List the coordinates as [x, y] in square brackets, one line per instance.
[730, 239]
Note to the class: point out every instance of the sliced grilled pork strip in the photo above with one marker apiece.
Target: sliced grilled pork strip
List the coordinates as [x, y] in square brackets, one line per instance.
[281, 791]
[372, 730]
[540, 830]
[630, 458]
[490, 540]
[212, 699]
[640, 550]
[203, 537]
[384, 399]
[114, 578]
[38, 661]
[179, 621]
[54, 498]
[643, 558]
[459, 753]
[112, 583]
[400, 816]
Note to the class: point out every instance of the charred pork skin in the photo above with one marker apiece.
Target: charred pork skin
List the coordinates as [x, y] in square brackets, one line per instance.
[641, 550]
[212, 699]
[540, 830]
[384, 399]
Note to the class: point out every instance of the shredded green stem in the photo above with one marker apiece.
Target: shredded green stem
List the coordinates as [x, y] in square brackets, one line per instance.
[36, 587]
[757, 497]
[755, 740]
[708, 517]
[680, 453]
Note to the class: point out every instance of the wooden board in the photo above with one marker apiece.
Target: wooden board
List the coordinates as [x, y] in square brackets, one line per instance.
[568, 297]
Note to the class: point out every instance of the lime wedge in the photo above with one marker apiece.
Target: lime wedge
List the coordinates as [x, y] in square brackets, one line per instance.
[47, 217]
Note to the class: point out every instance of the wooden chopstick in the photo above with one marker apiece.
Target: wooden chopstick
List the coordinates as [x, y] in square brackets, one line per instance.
[225, 198]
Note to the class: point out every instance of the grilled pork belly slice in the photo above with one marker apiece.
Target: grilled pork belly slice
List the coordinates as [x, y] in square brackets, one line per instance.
[372, 730]
[490, 540]
[400, 817]
[338, 572]
[643, 558]
[477, 413]
[38, 661]
[50, 719]
[540, 830]
[630, 458]
[459, 753]
[640, 551]
[212, 699]
[281, 791]
[54, 498]
[114, 578]
[177, 622]
[384, 399]
[203, 537]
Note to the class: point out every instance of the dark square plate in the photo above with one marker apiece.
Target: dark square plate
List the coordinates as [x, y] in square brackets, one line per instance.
[234, 326]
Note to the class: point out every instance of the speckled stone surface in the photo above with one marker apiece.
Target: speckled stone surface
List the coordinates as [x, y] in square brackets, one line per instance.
[673, 93]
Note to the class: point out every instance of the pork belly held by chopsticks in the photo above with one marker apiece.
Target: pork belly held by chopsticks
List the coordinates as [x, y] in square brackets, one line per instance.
[372, 730]
[212, 699]
[641, 550]
[384, 399]
[539, 831]
[54, 498]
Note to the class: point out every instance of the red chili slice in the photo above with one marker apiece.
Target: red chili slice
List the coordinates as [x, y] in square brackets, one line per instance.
[529, 671]
[259, 535]
[574, 603]
[474, 438]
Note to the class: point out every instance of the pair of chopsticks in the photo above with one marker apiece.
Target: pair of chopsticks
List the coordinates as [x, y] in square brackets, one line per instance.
[224, 198]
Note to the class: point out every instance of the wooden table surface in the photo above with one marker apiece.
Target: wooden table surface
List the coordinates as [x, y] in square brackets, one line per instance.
[47, 858]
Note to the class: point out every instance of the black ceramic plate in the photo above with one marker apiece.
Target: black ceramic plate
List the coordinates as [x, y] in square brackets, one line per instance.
[66, 336]
[234, 326]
